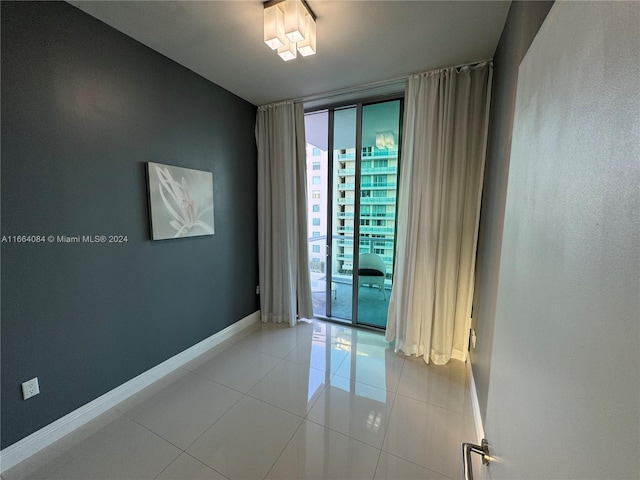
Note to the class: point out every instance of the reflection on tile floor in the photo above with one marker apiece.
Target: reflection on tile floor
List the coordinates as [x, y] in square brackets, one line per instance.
[317, 401]
[372, 304]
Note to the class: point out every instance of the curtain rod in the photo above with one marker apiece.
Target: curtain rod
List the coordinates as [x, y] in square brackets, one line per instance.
[344, 91]
[369, 86]
[275, 104]
[383, 83]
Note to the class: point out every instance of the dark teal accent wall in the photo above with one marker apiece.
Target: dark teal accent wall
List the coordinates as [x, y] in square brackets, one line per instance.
[83, 108]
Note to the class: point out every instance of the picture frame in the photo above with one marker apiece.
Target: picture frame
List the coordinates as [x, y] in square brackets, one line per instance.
[180, 201]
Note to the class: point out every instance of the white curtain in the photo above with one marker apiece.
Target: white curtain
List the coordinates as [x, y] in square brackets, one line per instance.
[442, 167]
[285, 288]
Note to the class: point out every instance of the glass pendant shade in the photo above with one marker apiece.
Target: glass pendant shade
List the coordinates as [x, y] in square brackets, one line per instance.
[294, 23]
[274, 27]
[307, 46]
[288, 51]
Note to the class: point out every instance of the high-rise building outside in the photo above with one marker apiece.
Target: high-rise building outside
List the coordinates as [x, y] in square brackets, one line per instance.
[378, 188]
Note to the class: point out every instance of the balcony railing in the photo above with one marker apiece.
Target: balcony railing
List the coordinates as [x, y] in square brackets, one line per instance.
[367, 245]
[375, 153]
[368, 170]
[344, 242]
[379, 170]
[367, 186]
[377, 200]
[368, 200]
[379, 185]
[364, 229]
[383, 216]
[391, 152]
[375, 229]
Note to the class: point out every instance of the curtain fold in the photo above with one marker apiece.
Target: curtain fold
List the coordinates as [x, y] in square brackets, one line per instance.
[442, 168]
[285, 287]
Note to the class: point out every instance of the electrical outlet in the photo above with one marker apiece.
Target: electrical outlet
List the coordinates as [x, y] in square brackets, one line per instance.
[473, 338]
[257, 289]
[30, 388]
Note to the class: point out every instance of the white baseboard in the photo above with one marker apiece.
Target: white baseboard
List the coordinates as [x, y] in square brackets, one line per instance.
[28, 446]
[475, 405]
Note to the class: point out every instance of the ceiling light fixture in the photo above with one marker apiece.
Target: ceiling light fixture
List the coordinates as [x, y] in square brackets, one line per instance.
[289, 28]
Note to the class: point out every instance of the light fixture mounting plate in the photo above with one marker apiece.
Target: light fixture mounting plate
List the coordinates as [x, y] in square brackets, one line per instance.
[270, 3]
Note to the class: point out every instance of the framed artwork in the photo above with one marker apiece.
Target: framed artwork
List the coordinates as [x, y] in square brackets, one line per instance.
[180, 201]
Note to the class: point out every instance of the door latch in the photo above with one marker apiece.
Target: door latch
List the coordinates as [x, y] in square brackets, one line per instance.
[467, 449]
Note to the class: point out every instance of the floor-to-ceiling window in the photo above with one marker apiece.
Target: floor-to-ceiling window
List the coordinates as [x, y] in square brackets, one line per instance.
[352, 170]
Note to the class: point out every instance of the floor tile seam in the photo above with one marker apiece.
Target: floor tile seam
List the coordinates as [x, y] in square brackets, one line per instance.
[212, 425]
[220, 356]
[284, 409]
[272, 355]
[431, 404]
[222, 384]
[368, 385]
[222, 347]
[320, 394]
[184, 450]
[326, 346]
[319, 370]
[386, 432]
[152, 399]
[200, 461]
[402, 457]
[255, 350]
[341, 362]
[414, 463]
[174, 385]
[298, 362]
[344, 434]
[234, 347]
[280, 360]
[290, 351]
[180, 450]
[273, 405]
[363, 383]
[375, 470]
[295, 364]
[159, 436]
[194, 458]
[283, 449]
[42, 459]
[172, 462]
[302, 333]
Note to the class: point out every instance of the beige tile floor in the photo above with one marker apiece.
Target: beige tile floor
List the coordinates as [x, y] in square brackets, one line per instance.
[317, 401]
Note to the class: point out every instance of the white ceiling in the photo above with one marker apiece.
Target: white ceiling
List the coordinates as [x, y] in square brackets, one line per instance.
[359, 42]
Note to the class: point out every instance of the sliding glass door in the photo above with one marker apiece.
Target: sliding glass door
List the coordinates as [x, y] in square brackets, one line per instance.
[352, 170]
[377, 215]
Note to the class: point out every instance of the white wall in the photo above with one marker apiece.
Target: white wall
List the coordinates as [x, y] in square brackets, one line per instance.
[564, 390]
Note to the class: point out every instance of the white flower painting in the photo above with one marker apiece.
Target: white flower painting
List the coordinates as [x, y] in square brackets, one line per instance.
[180, 201]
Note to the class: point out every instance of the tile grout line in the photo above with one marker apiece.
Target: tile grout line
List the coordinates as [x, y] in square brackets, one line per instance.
[283, 449]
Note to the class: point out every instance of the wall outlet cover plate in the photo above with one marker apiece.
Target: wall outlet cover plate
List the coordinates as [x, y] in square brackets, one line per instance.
[30, 388]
